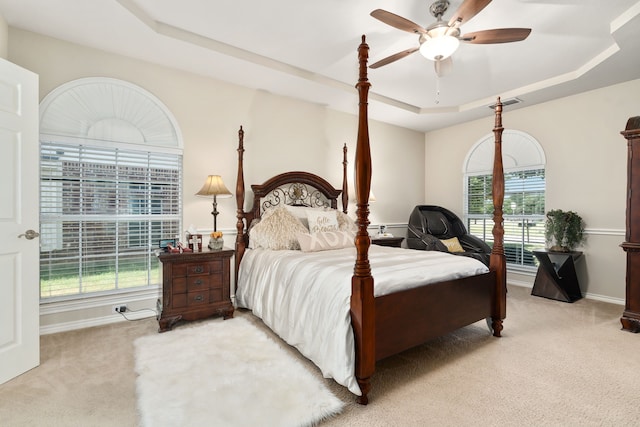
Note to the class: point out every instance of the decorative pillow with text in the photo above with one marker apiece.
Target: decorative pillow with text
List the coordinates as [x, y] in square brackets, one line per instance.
[322, 220]
[327, 240]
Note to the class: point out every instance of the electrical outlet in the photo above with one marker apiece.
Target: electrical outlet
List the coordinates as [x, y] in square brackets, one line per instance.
[120, 308]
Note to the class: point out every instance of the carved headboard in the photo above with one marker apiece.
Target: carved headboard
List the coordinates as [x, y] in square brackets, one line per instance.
[296, 189]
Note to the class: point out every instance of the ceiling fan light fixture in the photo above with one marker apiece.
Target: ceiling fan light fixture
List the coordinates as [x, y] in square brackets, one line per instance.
[438, 48]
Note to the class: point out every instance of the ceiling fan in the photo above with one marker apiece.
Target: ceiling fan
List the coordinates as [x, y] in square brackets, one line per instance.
[440, 40]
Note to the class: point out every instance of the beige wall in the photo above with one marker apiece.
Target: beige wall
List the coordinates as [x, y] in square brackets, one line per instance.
[281, 134]
[4, 38]
[586, 171]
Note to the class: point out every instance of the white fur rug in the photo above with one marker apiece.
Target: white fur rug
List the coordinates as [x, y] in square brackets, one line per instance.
[225, 373]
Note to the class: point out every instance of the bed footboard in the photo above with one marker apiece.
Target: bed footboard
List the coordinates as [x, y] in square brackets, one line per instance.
[410, 318]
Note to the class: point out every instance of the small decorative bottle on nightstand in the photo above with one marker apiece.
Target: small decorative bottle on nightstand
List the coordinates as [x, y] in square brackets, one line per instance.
[195, 285]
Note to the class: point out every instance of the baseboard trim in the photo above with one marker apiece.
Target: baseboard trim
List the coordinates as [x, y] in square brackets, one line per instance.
[96, 321]
[604, 298]
[596, 297]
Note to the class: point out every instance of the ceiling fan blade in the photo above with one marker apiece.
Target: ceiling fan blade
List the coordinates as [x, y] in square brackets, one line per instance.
[498, 35]
[393, 58]
[397, 21]
[443, 66]
[467, 10]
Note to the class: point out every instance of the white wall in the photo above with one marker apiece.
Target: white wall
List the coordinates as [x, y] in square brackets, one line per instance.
[586, 171]
[281, 134]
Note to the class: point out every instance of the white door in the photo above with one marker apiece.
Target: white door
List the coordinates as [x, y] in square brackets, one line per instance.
[19, 212]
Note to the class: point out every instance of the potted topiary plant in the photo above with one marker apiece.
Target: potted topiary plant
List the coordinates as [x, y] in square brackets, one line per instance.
[563, 230]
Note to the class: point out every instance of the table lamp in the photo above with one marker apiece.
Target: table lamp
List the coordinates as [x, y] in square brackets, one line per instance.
[214, 186]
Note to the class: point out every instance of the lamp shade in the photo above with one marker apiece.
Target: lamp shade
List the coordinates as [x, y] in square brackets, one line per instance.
[439, 47]
[214, 186]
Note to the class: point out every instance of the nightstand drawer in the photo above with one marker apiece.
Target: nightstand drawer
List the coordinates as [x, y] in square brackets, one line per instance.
[183, 285]
[198, 283]
[196, 269]
[211, 267]
[191, 299]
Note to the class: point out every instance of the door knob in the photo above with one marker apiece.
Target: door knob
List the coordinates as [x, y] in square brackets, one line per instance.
[29, 234]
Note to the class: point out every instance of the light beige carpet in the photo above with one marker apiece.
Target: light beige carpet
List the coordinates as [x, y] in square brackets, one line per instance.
[557, 364]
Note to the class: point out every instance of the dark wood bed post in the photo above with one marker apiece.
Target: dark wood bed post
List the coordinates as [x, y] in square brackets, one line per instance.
[362, 300]
[498, 261]
[345, 186]
[240, 243]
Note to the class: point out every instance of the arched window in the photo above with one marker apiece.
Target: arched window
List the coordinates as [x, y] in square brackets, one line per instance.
[524, 200]
[110, 187]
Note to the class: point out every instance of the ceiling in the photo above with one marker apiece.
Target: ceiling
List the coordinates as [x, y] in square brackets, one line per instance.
[307, 49]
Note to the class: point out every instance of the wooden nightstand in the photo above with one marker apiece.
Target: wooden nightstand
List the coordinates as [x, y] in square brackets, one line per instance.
[195, 285]
[387, 241]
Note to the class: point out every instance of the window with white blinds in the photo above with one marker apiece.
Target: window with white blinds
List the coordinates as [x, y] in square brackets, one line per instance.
[103, 211]
[523, 211]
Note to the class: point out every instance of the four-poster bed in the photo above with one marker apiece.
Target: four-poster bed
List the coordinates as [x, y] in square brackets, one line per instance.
[402, 310]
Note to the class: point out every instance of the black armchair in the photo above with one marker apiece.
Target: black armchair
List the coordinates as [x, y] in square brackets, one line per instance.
[429, 225]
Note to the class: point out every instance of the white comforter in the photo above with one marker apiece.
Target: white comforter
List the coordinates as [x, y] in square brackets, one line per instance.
[304, 297]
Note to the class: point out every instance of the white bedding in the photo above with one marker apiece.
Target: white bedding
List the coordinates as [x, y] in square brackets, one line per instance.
[304, 297]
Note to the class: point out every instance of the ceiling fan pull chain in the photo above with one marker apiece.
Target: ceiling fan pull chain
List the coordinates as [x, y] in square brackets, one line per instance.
[437, 89]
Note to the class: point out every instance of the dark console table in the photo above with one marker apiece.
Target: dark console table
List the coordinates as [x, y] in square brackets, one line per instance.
[556, 277]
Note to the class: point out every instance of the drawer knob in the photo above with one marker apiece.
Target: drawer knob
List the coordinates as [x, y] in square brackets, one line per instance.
[198, 282]
[198, 269]
[198, 298]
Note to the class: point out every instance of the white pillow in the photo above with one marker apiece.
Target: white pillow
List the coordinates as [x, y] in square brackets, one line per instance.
[315, 242]
[276, 230]
[300, 212]
[322, 220]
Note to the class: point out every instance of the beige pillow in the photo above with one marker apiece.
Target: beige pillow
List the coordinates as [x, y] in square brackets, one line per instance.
[345, 223]
[322, 220]
[325, 240]
[453, 244]
[276, 230]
